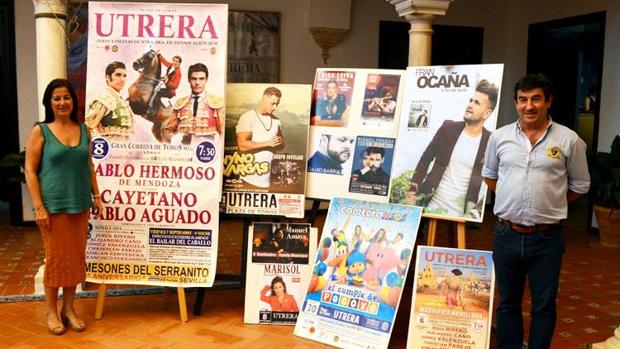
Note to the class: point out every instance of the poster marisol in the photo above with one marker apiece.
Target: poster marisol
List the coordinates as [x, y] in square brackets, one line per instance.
[278, 271]
[155, 109]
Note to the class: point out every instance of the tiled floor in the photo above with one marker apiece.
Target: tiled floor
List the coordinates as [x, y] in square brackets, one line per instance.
[588, 301]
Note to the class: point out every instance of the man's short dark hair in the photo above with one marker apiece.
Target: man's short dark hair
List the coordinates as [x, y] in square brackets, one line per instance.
[376, 150]
[109, 70]
[532, 81]
[179, 58]
[198, 67]
[272, 91]
[489, 89]
[332, 82]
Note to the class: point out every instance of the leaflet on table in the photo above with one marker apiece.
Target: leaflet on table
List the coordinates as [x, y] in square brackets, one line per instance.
[155, 92]
[359, 272]
[453, 299]
[265, 149]
[349, 105]
[447, 117]
[278, 271]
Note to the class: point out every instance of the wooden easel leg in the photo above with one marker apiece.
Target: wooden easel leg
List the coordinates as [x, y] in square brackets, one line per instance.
[432, 228]
[460, 232]
[182, 304]
[200, 297]
[100, 301]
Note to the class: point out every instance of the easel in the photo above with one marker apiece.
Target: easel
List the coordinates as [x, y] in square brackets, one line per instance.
[432, 229]
[238, 280]
[247, 221]
[101, 300]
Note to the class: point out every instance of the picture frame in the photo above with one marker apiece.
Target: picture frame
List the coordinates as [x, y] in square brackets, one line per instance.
[253, 46]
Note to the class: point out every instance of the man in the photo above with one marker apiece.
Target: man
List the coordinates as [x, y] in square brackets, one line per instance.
[109, 114]
[333, 152]
[536, 167]
[422, 120]
[385, 105]
[198, 113]
[452, 187]
[333, 105]
[260, 132]
[171, 79]
[373, 174]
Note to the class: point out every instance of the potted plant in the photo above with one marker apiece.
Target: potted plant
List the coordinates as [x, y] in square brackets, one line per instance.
[605, 192]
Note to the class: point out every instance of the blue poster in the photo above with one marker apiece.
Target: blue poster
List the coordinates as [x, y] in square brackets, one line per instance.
[359, 273]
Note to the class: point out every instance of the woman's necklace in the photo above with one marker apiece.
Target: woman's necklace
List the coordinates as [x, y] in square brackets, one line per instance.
[262, 123]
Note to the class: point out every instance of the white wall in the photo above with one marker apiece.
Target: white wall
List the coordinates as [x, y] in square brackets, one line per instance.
[505, 41]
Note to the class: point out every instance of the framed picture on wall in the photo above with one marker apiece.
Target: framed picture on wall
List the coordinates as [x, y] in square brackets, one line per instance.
[253, 46]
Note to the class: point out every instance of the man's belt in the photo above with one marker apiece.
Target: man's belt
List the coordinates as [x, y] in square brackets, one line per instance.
[529, 229]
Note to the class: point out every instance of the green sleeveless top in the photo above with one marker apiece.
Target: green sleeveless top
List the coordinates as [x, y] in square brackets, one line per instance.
[64, 173]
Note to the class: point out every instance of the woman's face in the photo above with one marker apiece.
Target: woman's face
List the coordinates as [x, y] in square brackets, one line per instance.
[61, 102]
[381, 233]
[358, 230]
[278, 288]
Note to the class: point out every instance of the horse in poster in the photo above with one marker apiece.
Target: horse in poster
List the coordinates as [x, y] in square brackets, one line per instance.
[144, 97]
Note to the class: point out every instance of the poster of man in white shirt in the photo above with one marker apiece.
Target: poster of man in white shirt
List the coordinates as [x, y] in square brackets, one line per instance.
[261, 160]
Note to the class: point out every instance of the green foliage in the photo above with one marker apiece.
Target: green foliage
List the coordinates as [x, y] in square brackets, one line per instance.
[12, 165]
[400, 186]
[605, 176]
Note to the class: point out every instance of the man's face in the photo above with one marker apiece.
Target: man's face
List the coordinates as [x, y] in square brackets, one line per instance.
[339, 148]
[117, 79]
[478, 109]
[332, 90]
[532, 106]
[197, 81]
[365, 160]
[269, 104]
[175, 62]
[375, 161]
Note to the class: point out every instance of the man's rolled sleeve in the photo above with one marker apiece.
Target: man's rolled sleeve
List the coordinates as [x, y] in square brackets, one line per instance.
[577, 168]
[491, 161]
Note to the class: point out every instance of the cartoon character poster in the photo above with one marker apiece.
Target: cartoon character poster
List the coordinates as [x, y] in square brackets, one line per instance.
[278, 271]
[360, 109]
[452, 298]
[154, 107]
[447, 117]
[265, 149]
[359, 273]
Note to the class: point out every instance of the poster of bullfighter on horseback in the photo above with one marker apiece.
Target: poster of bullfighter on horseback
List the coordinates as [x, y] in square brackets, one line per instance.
[155, 110]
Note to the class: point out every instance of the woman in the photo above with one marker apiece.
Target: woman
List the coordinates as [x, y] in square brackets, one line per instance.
[279, 300]
[61, 178]
[379, 238]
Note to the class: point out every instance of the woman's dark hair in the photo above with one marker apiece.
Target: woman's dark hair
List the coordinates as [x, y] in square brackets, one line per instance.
[274, 282]
[47, 99]
[376, 237]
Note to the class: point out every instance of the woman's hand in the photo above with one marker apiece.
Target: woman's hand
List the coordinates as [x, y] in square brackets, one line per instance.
[97, 209]
[42, 218]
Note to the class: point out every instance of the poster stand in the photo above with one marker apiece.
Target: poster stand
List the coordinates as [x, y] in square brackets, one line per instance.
[458, 224]
[247, 221]
[101, 301]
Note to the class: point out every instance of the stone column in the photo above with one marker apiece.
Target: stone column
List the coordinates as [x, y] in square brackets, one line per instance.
[51, 42]
[420, 14]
